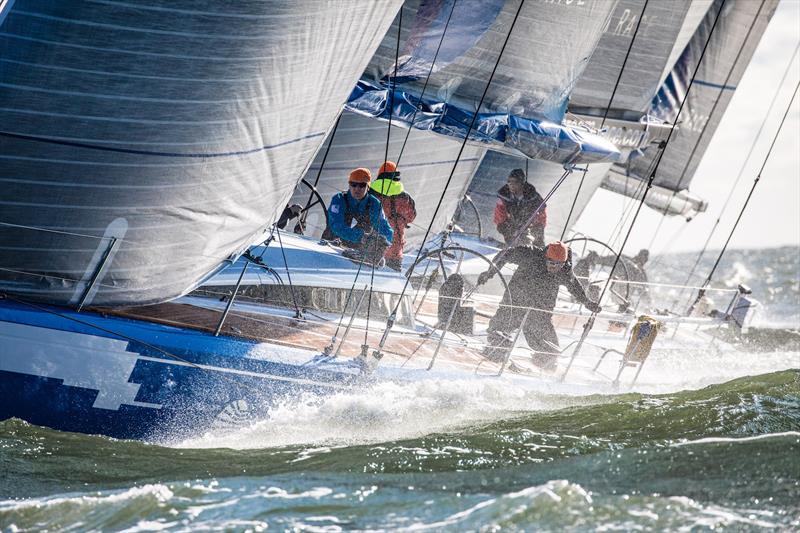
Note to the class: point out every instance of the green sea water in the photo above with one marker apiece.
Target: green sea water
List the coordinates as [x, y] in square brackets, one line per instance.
[724, 457]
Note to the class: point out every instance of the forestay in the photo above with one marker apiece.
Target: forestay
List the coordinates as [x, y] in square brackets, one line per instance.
[177, 128]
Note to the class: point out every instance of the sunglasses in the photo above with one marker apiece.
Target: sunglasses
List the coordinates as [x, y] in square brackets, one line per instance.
[357, 185]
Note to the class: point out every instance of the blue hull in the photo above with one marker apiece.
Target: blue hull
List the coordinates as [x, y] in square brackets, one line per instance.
[138, 380]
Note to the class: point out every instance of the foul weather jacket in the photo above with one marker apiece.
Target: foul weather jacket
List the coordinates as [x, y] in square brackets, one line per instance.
[400, 211]
[367, 214]
[512, 212]
[533, 286]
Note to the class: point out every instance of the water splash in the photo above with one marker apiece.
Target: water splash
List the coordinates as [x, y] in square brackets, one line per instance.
[386, 411]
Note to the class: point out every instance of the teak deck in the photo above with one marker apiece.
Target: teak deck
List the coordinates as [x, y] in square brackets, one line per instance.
[296, 333]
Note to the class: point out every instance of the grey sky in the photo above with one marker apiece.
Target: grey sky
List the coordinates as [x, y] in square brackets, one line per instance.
[772, 217]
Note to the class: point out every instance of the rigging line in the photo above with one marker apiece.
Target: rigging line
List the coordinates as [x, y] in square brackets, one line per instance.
[701, 292]
[605, 114]
[391, 96]
[658, 227]
[304, 215]
[393, 315]
[716, 102]
[627, 210]
[369, 300]
[425, 85]
[654, 165]
[347, 301]
[372, 241]
[298, 314]
[574, 201]
[744, 165]
[642, 183]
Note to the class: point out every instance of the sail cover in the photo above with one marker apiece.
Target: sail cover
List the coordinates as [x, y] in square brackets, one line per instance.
[730, 48]
[425, 163]
[141, 144]
[459, 42]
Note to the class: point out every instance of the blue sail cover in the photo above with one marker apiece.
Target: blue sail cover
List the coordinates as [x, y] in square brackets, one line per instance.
[143, 143]
[525, 103]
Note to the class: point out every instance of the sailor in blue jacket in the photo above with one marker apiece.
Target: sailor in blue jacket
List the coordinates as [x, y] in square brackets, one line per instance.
[356, 217]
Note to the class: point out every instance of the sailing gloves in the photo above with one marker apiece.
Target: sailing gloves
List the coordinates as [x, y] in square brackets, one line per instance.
[483, 277]
[375, 239]
[594, 307]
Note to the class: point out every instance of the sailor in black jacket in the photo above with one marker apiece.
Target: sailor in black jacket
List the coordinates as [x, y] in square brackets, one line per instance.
[534, 285]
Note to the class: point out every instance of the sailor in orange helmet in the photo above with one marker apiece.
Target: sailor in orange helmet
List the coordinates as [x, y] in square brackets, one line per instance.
[534, 285]
[356, 219]
[399, 208]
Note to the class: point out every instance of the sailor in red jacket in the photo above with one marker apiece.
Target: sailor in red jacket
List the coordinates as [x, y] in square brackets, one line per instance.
[517, 201]
[399, 208]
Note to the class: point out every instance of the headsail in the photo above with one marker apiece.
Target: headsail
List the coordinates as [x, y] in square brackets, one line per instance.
[152, 141]
[732, 43]
[659, 25]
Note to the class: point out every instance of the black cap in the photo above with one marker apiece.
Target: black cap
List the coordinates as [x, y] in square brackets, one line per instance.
[517, 174]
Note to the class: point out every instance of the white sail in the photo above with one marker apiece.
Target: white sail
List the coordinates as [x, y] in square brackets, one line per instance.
[659, 25]
[738, 30]
[532, 52]
[152, 140]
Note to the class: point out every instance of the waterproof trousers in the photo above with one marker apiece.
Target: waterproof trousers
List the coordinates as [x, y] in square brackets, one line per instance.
[538, 330]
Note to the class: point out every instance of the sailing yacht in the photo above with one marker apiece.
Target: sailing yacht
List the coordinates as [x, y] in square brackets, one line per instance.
[148, 148]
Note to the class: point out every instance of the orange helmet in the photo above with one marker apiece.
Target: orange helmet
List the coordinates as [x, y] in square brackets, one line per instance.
[557, 251]
[388, 166]
[361, 175]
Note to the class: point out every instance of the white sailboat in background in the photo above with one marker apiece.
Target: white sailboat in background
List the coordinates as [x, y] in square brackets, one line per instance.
[178, 165]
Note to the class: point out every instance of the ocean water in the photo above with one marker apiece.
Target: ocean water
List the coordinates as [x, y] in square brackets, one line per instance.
[707, 444]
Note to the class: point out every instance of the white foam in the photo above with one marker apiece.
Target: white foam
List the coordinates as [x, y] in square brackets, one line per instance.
[383, 412]
[718, 440]
[161, 493]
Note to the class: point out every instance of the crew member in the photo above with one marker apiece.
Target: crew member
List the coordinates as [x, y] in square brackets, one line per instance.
[534, 285]
[399, 208]
[518, 200]
[356, 218]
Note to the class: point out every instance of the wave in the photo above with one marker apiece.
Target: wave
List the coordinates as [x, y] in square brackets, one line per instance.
[403, 503]
[408, 432]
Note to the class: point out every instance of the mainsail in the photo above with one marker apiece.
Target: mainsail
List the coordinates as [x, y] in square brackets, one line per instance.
[458, 43]
[143, 144]
[738, 30]
[533, 52]
[654, 28]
